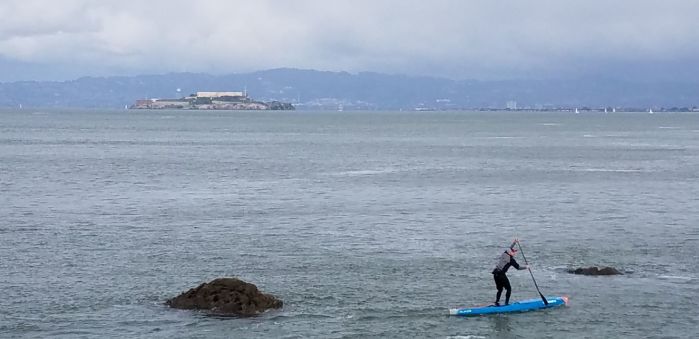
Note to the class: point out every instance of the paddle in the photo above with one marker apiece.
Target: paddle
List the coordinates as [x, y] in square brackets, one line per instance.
[532, 274]
[513, 244]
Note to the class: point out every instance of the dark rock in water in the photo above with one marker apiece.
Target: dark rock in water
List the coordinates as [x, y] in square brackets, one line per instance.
[594, 270]
[226, 296]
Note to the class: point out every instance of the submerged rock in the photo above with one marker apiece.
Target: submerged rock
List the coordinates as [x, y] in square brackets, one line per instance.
[226, 296]
[594, 270]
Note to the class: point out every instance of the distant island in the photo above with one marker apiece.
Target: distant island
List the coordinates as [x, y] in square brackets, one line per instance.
[212, 101]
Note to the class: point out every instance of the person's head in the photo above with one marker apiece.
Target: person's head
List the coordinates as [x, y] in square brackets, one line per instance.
[511, 252]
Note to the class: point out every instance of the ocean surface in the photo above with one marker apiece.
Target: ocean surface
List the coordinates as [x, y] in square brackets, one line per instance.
[366, 224]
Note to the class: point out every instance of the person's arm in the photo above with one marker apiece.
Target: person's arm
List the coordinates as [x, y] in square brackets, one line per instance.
[514, 264]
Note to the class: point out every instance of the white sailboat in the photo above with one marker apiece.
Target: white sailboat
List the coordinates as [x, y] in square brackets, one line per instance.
[613, 109]
[605, 110]
[650, 111]
[576, 111]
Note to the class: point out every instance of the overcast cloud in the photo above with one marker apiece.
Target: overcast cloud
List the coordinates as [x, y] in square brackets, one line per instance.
[453, 38]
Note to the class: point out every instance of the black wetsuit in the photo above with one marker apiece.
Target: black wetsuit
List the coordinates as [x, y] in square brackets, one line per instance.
[500, 275]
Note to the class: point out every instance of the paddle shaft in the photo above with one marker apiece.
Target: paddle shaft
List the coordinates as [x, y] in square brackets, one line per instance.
[532, 274]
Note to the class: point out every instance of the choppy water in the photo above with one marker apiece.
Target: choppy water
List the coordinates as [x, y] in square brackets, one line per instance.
[365, 224]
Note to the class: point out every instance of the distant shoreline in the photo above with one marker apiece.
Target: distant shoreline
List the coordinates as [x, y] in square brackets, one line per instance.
[350, 110]
[308, 89]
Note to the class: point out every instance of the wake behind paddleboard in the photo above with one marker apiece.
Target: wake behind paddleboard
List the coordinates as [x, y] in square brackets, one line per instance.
[519, 306]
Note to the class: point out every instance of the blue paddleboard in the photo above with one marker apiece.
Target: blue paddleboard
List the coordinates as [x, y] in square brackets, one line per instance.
[519, 306]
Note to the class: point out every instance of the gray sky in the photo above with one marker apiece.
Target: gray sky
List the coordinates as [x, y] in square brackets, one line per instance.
[489, 39]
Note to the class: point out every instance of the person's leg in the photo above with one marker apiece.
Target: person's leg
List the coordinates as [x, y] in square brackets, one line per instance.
[506, 284]
[499, 286]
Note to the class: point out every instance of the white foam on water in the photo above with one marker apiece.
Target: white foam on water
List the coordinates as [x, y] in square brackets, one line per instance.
[468, 336]
[550, 124]
[668, 127]
[676, 277]
[606, 170]
[364, 172]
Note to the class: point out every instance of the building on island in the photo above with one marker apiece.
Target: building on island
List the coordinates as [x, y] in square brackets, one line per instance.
[220, 94]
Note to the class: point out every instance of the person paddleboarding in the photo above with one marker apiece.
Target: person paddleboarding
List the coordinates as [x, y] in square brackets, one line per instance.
[505, 260]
